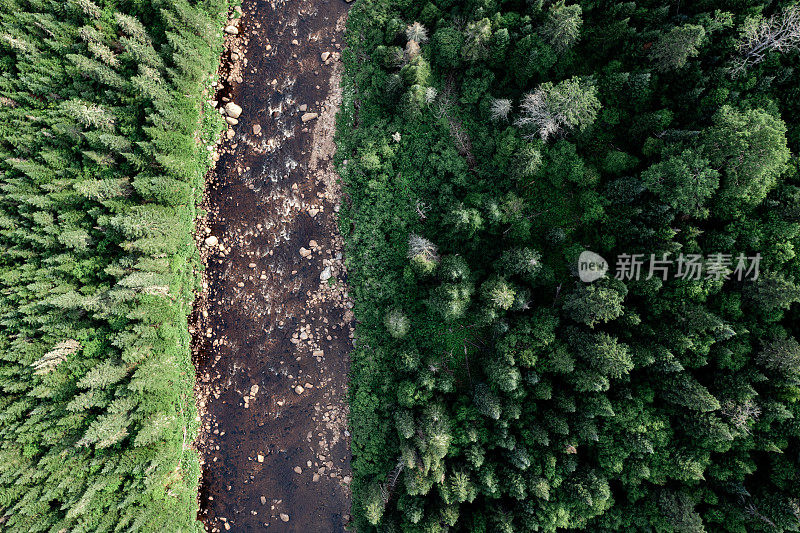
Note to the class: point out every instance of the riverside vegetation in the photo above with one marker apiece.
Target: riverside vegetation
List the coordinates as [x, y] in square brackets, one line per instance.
[484, 145]
[102, 158]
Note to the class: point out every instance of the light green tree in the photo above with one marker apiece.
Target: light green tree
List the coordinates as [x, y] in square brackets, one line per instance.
[562, 26]
[552, 110]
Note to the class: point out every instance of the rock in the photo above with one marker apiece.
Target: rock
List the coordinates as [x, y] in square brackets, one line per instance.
[318, 353]
[211, 241]
[309, 116]
[227, 526]
[299, 389]
[263, 500]
[233, 110]
[313, 212]
[231, 30]
[253, 390]
[260, 458]
[315, 478]
[325, 275]
[256, 129]
[295, 42]
[303, 108]
[305, 252]
[284, 517]
[298, 470]
[230, 134]
[232, 121]
[325, 55]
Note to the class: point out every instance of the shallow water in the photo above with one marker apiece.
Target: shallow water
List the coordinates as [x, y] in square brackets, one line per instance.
[262, 292]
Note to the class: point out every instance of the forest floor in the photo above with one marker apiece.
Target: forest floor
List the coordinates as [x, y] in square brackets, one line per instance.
[273, 325]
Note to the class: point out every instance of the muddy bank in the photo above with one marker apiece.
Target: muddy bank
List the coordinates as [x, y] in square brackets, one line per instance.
[273, 325]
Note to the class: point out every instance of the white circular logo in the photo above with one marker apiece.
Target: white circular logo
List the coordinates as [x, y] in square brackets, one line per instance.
[591, 266]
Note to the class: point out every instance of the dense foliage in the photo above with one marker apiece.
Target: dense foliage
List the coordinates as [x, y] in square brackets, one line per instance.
[101, 167]
[485, 144]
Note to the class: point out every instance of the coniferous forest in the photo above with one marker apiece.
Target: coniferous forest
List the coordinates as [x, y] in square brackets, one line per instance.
[102, 159]
[484, 146]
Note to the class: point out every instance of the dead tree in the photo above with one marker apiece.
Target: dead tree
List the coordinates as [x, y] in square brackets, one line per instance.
[780, 33]
[388, 487]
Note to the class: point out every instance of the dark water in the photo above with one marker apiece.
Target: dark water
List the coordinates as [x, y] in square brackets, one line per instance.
[263, 292]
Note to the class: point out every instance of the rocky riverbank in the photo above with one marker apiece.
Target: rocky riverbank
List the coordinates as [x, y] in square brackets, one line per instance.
[273, 324]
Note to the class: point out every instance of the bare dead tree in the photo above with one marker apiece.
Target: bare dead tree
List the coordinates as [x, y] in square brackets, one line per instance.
[388, 487]
[551, 109]
[753, 511]
[500, 109]
[740, 415]
[430, 95]
[420, 246]
[417, 32]
[780, 33]
[422, 209]
[538, 113]
[558, 291]
[412, 50]
[444, 99]
[460, 137]
[462, 141]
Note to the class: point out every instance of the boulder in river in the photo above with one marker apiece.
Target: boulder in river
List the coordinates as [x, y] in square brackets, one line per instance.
[233, 110]
[325, 275]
